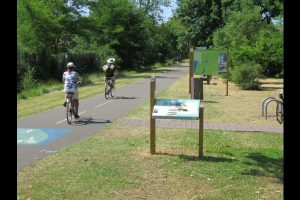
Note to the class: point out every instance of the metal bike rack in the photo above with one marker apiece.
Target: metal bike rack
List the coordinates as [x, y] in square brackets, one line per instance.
[264, 108]
[279, 108]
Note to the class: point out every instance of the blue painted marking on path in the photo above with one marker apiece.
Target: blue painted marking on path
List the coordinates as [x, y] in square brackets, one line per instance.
[30, 136]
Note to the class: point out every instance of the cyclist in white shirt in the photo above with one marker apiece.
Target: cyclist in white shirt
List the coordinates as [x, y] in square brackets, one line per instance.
[110, 70]
[70, 79]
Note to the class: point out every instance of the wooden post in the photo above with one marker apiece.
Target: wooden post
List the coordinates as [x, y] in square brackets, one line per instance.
[191, 67]
[192, 88]
[227, 72]
[201, 88]
[201, 114]
[196, 88]
[152, 120]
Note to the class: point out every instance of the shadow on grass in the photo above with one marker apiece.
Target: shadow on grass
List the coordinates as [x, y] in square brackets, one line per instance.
[88, 120]
[270, 88]
[203, 101]
[264, 166]
[272, 82]
[196, 158]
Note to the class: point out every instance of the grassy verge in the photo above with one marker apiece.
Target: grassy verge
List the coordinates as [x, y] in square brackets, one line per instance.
[53, 95]
[116, 163]
[240, 106]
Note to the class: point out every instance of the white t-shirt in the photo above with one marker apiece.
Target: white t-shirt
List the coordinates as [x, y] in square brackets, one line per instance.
[70, 79]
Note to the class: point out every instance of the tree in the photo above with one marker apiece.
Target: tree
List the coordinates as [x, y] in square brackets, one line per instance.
[202, 18]
[41, 25]
[251, 39]
[153, 8]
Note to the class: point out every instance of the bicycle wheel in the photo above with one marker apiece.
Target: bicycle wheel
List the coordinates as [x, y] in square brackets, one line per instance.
[112, 90]
[279, 112]
[106, 92]
[69, 112]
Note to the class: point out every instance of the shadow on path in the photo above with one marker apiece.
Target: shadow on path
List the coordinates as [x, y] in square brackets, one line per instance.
[89, 120]
[122, 97]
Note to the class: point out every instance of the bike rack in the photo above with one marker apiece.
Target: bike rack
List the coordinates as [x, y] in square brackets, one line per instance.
[263, 112]
[279, 108]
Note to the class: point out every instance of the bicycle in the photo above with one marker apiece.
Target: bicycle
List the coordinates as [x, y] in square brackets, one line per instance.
[70, 109]
[109, 87]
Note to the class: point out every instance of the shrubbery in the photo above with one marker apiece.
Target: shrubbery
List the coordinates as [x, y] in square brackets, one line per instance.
[28, 80]
[246, 75]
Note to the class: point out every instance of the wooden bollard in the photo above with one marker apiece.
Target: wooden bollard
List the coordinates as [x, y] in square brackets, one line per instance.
[197, 88]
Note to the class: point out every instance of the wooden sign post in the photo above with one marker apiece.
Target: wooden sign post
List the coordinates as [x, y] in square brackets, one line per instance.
[197, 87]
[152, 120]
[201, 112]
[174, 109]
[227, 73]
[191, 67]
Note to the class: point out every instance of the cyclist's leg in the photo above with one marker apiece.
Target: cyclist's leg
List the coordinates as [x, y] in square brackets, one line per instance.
[113, 80]
[76, 101]
[65, 102]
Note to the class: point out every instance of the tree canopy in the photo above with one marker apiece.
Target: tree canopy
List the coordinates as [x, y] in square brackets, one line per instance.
[132, 31]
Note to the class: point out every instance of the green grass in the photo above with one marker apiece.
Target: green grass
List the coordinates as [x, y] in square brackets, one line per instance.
[239, 107]
[116, 164]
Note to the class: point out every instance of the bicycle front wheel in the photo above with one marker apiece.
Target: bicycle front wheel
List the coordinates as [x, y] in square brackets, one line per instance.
[69, 113]
[112, 91]
[106, 92]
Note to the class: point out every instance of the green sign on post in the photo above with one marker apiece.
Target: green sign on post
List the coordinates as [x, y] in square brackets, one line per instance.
[209, 62]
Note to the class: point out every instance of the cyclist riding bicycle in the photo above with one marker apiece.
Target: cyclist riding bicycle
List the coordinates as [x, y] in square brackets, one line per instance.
[70, 79]
[110, 70]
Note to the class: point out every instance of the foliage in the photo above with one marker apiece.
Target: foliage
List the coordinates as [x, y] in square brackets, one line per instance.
[251, 40]
[41, 26]
[202, 18]
[124, 29]
[247, 75]
[175, 38]
[28, 80]
[152, 8]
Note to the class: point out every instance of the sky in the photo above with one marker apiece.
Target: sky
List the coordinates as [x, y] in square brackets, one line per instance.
[167, 11]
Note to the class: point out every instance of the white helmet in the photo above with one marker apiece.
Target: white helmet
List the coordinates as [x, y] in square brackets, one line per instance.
[111, 60]
[70, 64]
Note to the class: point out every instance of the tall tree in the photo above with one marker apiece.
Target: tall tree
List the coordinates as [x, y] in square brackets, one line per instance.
[251, 39]
[202, 18]
[41, 25]
[153, 8]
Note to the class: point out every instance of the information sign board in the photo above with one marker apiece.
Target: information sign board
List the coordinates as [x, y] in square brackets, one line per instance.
[176, 109]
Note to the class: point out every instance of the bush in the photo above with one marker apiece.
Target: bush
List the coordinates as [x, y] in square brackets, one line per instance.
[28, 80]
[247, 75]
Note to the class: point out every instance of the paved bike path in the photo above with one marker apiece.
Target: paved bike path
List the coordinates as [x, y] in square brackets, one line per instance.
[95, 113]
